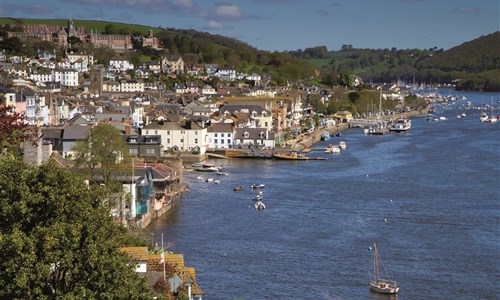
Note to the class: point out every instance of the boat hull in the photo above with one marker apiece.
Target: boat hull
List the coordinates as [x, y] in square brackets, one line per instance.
[384, 287]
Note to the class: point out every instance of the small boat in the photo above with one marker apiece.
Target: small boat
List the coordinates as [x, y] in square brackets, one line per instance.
[335, 150]
[259, 205]
[222, 173]
[217, 181]
[238, 189]
[258, 186]
[290, 156]
[325, 136]
[401, 125]
[197, 164]
[207, 169]
[209, 180]
[377, 283]
[342, 145]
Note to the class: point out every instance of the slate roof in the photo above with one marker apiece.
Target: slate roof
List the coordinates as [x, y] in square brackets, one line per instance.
[75, 132]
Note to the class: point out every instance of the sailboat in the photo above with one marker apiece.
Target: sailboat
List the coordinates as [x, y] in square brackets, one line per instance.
[378, 283]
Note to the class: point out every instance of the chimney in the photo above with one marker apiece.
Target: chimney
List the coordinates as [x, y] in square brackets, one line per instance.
[127, 129]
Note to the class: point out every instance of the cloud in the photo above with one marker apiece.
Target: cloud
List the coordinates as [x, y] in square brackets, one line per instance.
[214, 25]
[227, 11]
[465, 10]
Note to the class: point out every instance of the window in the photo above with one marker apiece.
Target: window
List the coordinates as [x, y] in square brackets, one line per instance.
[246, 134]
[228, 141]
[182, 140]
[215, 134]
[132, 141]
[222, 141]
[151, 151]
[265, 124]
[196, 132]
[168, 132]
[168, 141]
[222, 135]
[156, 131]
[134, 151]
[196, 141]
[147, 131]
[228, 135]
[216, 141]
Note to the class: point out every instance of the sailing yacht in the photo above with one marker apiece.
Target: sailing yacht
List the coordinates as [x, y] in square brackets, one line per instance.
[378, 283]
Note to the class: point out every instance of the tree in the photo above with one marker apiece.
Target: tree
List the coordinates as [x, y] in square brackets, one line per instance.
[14, 129]
[57, 240]
[100, 155]
[110, 29]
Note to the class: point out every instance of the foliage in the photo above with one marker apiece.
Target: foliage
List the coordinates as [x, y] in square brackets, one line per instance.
[57, 240]
[14, 129]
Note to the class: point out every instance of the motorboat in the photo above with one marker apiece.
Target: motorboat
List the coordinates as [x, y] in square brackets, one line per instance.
[342, 145]
[325, 136]
[400, 125]
[259, 205]
[238, 189]
[378, 283]
[258, 186]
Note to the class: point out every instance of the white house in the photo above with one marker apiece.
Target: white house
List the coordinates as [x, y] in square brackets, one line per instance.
[254, 137]
[128, 86]
[120, 64]
[187, 136]
[226, 74]
[220, 135]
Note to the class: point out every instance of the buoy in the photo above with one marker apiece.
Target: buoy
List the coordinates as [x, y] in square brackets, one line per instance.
[370, 248]
[390, 200]
[385, 220]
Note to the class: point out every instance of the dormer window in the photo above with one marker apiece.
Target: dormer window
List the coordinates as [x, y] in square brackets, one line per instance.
[262, 134]
[246, 134]
[264, 114]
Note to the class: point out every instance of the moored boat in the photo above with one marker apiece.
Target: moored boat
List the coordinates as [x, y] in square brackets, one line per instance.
[377, 283]
[290, 156]
[325, 136]
[400, 125]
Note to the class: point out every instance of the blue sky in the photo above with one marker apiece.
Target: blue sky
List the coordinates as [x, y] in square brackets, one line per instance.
[278, 25]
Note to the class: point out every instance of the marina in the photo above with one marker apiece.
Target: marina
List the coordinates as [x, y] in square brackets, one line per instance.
[428, 197]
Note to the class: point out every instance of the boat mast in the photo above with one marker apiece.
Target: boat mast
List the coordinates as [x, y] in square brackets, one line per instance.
[375, 262]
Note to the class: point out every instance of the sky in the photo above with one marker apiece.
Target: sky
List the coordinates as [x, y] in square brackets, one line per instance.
[281, 25]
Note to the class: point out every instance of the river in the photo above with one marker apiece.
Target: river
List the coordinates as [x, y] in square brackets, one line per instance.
[430, 198]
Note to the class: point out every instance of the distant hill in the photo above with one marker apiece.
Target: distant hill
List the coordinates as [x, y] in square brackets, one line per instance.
[474, 65]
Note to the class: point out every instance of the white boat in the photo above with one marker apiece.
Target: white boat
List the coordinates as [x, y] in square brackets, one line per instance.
[259, 205]
[401, 125]
[378, 283]
[342, 145]
[217, 181]
[222, 173]
[335, 150]
[258, 186]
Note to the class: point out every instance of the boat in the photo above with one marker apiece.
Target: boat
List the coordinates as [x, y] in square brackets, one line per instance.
[325, 136]
[342, 145]
[259, 205]
[258, 186]
[400, 125]
[238, 189]
[217, 181]
[377, 283]
[222, 173]
[197, 164]
[207, 169]
[290, 156]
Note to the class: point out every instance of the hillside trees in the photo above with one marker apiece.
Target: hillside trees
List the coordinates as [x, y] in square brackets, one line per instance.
[57, 240]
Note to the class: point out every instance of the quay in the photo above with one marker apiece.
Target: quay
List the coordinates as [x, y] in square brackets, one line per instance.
[304, 142]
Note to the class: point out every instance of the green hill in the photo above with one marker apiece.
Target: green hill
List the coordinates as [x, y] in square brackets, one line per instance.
[474, 65]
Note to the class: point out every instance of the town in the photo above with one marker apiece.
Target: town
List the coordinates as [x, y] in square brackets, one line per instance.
[71, 100]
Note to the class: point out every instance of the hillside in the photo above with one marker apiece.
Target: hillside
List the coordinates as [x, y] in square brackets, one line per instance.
[474, 65]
